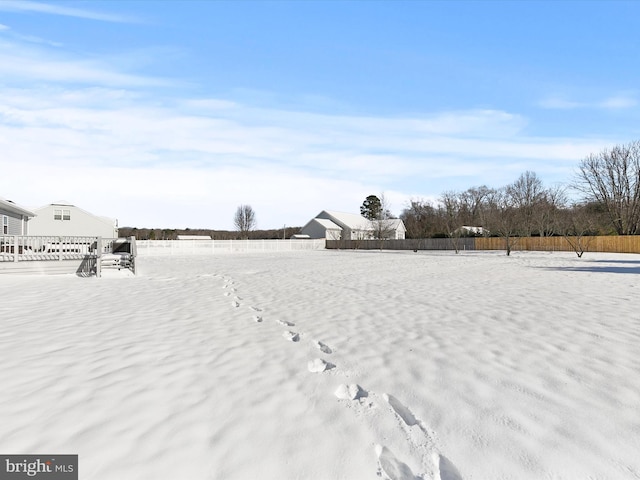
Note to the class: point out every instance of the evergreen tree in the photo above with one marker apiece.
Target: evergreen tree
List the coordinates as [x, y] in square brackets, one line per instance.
[371, 208]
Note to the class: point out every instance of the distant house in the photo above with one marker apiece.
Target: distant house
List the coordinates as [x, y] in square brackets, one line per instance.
[466, 230]
[14, 220]
[397, 228]
[349, 226]
[194, 237]
[64, 219]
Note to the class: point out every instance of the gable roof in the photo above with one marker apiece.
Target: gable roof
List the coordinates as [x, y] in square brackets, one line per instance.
[348, 220]
[395, 223]
[328, 224]
[10, 206]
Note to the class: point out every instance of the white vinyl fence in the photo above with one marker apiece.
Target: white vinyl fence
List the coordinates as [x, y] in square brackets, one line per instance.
[210, 247]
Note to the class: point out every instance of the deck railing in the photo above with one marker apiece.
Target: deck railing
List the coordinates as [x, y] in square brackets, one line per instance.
[28, 248]
[24, 248]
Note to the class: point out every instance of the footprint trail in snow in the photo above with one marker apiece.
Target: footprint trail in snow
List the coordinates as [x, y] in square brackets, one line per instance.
[422, 447]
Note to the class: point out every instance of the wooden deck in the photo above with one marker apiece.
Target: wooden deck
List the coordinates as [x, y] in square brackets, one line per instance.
[83, 256]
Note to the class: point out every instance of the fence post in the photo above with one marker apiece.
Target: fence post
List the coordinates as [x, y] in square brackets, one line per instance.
[99, 257]
[133, 252]
[15, 248]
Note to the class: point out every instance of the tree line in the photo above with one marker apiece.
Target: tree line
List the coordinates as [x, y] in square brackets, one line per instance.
[607, 185]
[172, 233]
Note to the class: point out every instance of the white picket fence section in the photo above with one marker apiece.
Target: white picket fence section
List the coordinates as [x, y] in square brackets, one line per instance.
[215, 247]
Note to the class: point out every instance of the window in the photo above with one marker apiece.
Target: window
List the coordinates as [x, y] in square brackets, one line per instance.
[5, 225]
[59, 214]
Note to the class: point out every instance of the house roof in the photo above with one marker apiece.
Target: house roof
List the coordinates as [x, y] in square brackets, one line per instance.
[349, 220]
[358, 222]
[332, 220]
[395, 223]
[328, 224]
[324, 222]
[12, 207]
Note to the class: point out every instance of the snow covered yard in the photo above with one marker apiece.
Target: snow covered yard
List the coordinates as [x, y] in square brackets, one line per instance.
[330, 365]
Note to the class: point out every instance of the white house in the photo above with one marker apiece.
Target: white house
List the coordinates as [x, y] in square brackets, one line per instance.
[64, 219]
[14, 220]
[397, 228]
[349, 226]
[467, 230]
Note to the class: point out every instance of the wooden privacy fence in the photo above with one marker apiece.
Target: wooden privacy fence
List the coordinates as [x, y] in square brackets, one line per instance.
[613, 244]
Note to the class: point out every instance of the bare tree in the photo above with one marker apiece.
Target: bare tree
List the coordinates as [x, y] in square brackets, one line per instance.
[502, 217]
[420, 219]
[612, 178]
[547, 214]
[452, 212]
[577, 226]
[474, 203]
[526, 194]
[244, 220]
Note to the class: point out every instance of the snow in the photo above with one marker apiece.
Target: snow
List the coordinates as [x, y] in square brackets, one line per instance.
[329, 365]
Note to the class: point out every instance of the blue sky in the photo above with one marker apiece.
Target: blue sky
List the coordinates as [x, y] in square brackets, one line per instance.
[171, 114]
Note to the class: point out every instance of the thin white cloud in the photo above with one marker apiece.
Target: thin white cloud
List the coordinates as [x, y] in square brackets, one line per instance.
[6, 30]
[54, 9]
[20, 64]
[615, 102]
[619, 102]
[556, 103]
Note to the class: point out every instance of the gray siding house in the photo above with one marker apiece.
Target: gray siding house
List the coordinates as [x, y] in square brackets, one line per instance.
[65, 219]
[322, 228]
[14, 220]
[349, 226]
